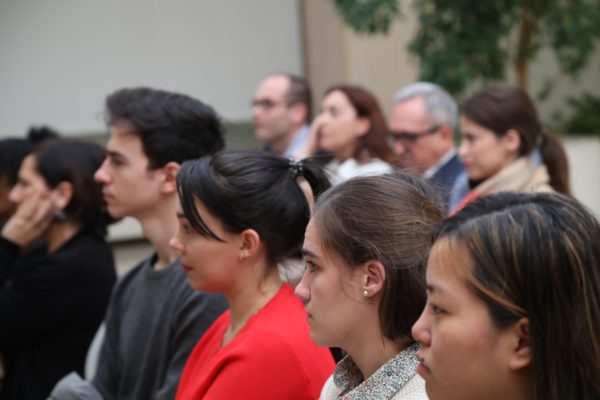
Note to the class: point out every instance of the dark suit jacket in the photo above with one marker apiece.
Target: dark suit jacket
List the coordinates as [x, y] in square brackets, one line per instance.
[444, 178]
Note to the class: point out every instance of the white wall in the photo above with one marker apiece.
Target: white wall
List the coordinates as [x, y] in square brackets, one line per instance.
[60, 58]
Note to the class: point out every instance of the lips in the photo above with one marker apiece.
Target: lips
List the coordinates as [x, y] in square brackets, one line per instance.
[422, 368]
[187, 268]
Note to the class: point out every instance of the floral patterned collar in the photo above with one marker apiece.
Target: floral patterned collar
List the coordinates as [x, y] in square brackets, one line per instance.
[383, 384]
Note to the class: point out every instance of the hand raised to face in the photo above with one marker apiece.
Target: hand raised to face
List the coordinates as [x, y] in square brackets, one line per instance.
[32, 218]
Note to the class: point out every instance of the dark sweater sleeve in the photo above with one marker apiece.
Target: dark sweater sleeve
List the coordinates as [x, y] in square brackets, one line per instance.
[9, 252]
[196, 315]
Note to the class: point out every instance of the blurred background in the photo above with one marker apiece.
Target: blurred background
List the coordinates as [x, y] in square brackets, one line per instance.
[60, 58]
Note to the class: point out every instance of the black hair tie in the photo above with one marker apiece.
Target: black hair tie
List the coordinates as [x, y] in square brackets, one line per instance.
[296, 168]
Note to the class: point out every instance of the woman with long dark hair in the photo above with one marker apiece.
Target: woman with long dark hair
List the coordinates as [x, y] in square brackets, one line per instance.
[56, 269]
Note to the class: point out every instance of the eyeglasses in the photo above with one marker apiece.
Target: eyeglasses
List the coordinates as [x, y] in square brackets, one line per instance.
[267, 104]
[409, 138]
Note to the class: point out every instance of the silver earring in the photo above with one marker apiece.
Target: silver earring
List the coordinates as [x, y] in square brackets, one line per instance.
[365, 293]
[60, 215]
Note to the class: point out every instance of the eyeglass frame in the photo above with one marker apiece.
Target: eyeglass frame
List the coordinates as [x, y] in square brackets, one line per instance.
[410, 138]
[268, 104]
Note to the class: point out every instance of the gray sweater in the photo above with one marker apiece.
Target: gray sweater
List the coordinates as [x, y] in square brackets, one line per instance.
[152, 324]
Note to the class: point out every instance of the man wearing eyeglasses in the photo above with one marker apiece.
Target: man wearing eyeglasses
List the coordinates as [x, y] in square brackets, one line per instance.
[422, 125]
[281, 111]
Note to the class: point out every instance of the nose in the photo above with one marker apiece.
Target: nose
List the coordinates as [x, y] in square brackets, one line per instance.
[176, 244]
[420, 330]
[101, 175]
[463, 149]
[302, 290]
[14, 196]
[399, 148]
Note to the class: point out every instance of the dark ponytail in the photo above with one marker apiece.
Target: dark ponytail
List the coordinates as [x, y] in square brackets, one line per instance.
[555, 160]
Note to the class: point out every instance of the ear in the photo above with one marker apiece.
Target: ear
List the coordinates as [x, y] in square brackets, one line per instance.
[362, 126]
[446, 133]
[521, 351]
[249, 243]
[512, 140]
[373, 278]
[63, 193]
[169, 181]
[298, 113]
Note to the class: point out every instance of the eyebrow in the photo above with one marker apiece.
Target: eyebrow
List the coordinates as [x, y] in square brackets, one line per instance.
[180, 215]
[431, 288]
[115, 154]
[307, 252]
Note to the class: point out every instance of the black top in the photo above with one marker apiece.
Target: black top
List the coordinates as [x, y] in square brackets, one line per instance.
[50, 308]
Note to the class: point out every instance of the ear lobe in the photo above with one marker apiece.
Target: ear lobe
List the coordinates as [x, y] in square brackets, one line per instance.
[521, 352]
[63, 194]
[373, 278]
[250, 243]
[298, 113]
[169, 183]
[363, 126]
[512, 139]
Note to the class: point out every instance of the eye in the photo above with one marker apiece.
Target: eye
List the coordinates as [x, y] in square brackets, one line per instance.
[186, 228]
[436, 310]
[312, 267]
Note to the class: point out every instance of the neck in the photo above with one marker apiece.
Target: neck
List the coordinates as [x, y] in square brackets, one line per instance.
[345, 153]
[252, 294]
[59, 233]
[282, 143]
[159, 226]
[368, 347]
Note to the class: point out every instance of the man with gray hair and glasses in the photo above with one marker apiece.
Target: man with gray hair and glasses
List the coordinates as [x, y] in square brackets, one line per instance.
[422, 126]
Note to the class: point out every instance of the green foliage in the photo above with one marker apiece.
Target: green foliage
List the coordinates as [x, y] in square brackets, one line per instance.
[586, 117]
[368, 16]
[462, 41]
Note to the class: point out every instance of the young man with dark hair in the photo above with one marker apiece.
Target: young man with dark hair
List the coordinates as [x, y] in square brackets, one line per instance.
[154, 318]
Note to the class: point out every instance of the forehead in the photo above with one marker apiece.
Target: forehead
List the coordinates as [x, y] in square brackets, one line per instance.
[410, 114]
[125, 143]
[337, 98]
[273, 87]
[447, 264]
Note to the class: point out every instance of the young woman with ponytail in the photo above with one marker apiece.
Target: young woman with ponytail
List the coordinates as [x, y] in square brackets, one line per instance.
[504, 147]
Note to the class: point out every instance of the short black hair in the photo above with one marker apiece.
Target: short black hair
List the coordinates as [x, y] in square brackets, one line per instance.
[171, 126]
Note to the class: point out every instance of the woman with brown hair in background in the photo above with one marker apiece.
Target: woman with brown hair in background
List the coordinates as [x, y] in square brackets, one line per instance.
[352, 129]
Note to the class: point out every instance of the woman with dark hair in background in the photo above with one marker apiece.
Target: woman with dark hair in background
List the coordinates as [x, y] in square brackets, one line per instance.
[12, 153]
[56, 269]
[513, 307]
[364, 286]
[241, 213]
[352, 128]
[504, 148]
